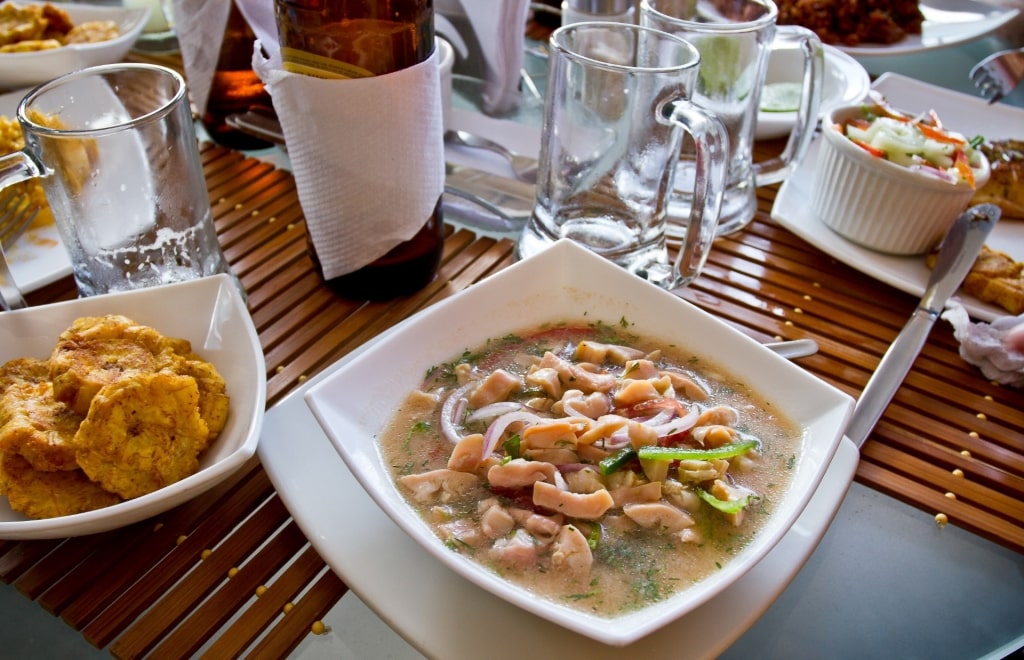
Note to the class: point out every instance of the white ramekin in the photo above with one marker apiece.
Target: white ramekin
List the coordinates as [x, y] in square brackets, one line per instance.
[881, 205]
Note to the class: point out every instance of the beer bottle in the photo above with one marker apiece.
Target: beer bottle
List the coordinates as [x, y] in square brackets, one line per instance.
[235, 88]
[368, 38]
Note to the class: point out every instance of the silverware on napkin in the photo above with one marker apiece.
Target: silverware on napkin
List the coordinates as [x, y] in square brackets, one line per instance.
[956, 255]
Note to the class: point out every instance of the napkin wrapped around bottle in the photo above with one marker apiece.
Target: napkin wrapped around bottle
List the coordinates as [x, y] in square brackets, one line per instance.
[367, 155]
[996, 348]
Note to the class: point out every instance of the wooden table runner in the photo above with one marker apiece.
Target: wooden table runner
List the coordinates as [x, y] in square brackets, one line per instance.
[232, 565]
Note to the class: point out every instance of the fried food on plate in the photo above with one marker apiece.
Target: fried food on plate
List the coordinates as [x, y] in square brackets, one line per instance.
[117, 411]
[994, 278]
[213, 398]
[997, 278]
[23, 370]
[142, 433]
[38, 427]
[98, 350]
[1005, 186]
[31, 27]
[40, 494]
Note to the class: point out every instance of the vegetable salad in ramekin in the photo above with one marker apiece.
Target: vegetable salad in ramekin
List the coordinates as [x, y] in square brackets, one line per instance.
[892, 181]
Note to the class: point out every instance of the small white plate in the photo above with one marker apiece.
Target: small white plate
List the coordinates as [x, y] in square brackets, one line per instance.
[38, 257]
[845, 82]
[966, 114]
[36, 67]
[220, 329]
[357, 401]
[946, 23]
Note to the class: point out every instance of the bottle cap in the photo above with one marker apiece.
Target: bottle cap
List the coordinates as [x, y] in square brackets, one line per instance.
[601, 7]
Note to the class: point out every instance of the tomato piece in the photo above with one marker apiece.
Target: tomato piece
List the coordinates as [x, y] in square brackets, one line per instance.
[939, 135]
[868, 148]
[963, 166]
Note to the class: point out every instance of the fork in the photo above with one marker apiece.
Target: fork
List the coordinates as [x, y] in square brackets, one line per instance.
[524, 167]
[998, 74]
[17, 211]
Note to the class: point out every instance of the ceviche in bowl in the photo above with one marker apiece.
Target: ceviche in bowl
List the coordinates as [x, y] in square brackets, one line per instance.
[584, 444]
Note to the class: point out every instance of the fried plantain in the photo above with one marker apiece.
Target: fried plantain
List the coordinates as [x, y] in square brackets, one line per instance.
[39, 494]
[38, 427]
[98, 350]
[142, 433]
[23, 370]
[213, 398]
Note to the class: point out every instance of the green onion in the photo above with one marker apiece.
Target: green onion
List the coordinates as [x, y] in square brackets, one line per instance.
[616, 461]
[725, 506]
[656, 453]
[511, 446]
[594, 538]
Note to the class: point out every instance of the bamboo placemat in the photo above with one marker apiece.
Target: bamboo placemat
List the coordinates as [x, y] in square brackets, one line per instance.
[232, 566]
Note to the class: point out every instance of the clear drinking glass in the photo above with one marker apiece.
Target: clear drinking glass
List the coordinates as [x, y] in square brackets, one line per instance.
[735, 38]
[614, 118]
[116, 151]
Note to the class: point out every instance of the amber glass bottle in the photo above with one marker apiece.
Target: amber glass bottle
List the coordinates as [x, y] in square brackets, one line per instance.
[235, 88]
[359, 38]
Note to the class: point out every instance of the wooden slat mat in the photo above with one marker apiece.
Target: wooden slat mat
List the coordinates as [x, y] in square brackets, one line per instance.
[231, 565]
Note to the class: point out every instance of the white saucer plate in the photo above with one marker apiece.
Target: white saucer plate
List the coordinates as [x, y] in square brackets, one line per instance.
[38, 257]
[965, 114]
[845, 82]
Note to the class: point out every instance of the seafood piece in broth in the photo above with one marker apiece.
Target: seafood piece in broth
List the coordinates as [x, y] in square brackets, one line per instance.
[590, 466]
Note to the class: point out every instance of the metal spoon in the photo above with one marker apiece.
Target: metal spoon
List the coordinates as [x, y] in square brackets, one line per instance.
[524, 167]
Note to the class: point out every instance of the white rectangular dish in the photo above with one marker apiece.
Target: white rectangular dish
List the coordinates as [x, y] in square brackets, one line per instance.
[968, 115]
[567, 282]
[212, 315]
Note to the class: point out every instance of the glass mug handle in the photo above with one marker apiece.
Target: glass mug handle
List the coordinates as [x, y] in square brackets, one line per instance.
[711, 165]
[15, 167]
[776, 169]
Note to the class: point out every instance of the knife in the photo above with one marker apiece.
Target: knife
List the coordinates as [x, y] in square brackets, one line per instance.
[956, 255]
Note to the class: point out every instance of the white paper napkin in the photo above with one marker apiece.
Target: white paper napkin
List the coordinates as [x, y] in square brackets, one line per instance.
[367, 155]
[997, 349]
[199, 26]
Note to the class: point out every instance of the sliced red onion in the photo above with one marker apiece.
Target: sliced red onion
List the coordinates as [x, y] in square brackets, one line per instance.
[494, 410]
[498, 426]
[663, 417]
[452, 411]
[679, 424]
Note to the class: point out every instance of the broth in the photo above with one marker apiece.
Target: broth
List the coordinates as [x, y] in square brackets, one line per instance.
[505, 452]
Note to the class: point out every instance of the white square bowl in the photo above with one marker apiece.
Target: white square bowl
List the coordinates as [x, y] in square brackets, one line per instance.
[211, 314]
[36, 67]
[566, 283]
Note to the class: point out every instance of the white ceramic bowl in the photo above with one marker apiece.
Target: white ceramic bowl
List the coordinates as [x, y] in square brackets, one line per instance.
[34, 68]
[879, 204]
[568, 282]
[211, 314]
[845, 82]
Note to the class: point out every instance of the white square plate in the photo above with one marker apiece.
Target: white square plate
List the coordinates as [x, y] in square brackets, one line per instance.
[965, 114]
[36, 67]
[567, 282]
[211, 314]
